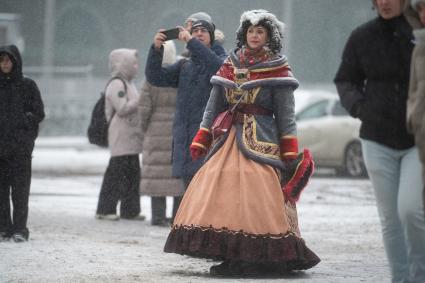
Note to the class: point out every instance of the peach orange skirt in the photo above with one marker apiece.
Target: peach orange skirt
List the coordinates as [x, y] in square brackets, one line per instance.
[234, 209]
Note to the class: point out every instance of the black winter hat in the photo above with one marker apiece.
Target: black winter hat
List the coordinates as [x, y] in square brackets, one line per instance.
[209, 26]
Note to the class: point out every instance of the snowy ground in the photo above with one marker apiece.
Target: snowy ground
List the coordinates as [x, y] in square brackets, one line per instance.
[337, 217]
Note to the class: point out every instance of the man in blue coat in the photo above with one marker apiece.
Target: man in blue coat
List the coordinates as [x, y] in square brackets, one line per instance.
[191, 76]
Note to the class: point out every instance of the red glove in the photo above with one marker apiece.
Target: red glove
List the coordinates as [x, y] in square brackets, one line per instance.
[200, 144]
[288, 148]
[298, 168]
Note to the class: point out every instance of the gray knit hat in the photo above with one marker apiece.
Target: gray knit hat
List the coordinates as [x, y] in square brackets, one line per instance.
[415, 3]
[199, 16]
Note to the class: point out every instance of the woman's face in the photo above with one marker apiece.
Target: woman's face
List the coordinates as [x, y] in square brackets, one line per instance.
[6, 64]
[389, 9]
[256, 37]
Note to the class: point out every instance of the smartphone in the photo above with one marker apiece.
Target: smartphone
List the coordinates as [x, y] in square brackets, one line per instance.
[171, 33]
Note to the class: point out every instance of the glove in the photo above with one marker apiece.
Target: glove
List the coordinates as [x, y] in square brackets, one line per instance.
[298, 168]
[200, 144]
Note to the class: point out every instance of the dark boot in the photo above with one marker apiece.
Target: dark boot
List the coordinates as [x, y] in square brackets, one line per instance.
[222, 269]
[228, 268]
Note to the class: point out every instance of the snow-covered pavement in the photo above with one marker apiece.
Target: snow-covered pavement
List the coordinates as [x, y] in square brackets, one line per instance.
[338, 220]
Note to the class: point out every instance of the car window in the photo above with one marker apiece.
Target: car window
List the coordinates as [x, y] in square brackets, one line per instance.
[338, 110]
[315, 110]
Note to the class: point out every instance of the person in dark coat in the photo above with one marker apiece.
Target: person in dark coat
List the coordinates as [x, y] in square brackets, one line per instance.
[372, 82]
[21, 111]
[191, 76]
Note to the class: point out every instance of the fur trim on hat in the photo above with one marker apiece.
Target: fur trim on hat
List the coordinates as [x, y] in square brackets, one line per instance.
[274, 27]
[254, 16]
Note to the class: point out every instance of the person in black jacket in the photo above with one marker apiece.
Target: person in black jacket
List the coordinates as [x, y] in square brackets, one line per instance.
[372, 82]
[21, 111]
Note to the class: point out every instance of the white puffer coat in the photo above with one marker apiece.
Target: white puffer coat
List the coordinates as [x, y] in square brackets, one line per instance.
[122, 107]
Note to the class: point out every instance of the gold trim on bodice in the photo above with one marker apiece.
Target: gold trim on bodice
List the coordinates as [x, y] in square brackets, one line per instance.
[249, 138]
[233, 95]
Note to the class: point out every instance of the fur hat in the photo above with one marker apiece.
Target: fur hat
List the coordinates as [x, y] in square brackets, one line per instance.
[209, 26]
[266, 19]
[415, 4]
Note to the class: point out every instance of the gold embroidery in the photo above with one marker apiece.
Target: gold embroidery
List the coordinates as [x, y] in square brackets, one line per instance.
[233, 95]
[291, 212]
[241, 75]
[269, 69]
[249, 137]
[199, 145]
[226, 230]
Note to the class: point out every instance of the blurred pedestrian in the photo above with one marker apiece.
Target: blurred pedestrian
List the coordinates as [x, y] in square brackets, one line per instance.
[191, 76]
[123, 113]
[234, 209]
[21, 111]
[372, 82]
[158, 107]
[416, 101]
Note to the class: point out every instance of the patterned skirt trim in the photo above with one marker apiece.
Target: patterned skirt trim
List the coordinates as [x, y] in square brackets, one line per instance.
[288, 250]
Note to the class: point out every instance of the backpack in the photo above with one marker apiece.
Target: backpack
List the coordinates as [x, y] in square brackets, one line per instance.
[97, 131]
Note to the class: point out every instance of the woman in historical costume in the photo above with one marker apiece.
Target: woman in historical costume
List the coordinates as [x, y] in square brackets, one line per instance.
[234, 209]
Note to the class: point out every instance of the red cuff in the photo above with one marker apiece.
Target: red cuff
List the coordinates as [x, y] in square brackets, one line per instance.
[288, 147]
[202, 139]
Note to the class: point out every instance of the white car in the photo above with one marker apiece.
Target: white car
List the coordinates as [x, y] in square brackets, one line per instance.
[325, 127]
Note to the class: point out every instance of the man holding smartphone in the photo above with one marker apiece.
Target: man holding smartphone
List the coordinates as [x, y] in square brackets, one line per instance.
[191, 76]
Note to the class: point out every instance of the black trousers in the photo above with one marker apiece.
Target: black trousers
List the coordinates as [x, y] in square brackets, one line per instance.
[159, 206]
[121, 183]
[15, 182]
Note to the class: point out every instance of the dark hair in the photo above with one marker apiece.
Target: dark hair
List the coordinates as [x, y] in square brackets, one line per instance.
[274, 43]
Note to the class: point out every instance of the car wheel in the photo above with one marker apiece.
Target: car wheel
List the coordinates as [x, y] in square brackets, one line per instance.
[353, 161]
